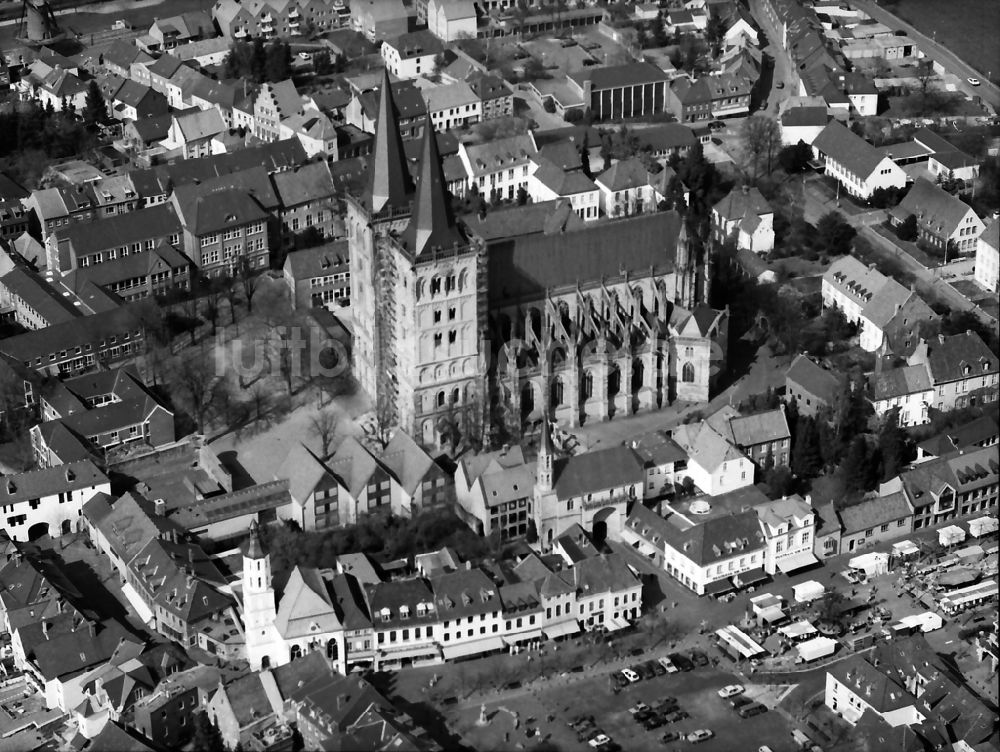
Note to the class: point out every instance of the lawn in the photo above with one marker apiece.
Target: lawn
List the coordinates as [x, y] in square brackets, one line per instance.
[966, 27]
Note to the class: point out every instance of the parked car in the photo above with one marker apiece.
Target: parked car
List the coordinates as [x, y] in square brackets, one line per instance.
[665, 702]
[764, 748]
[638, 708]
[645, 670]
[677, 715]
[668, 665]
[636, 651]
[656, 667]
[580, 722]
[973, 81]
[671, 736]
[681, 661]
[731, 690]
[717, 125]
[591, 733]
[699, 658]
[754, 708]
[701, 735]
[739, 701]
[599, 740]
[631, 675]
[609, 746]
[654, 721]
[642, 715]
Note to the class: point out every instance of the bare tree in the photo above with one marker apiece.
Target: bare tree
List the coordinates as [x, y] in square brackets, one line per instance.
[249, 280]
[231, 290]
[761, 141]
[323, 426]
[198, 387]
[212, 295]
[925, 73]
[379, 429]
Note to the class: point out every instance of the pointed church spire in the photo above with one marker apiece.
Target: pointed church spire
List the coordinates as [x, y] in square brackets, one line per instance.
[253, 546]
[389, 182]
[431, 223]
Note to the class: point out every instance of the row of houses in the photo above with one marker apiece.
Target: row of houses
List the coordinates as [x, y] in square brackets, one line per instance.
[356, 617]
[715, 544]
[120, 692]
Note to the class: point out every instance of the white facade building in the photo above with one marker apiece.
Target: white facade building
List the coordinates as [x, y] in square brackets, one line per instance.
[48, 501]
[857, 165]
[988, 256]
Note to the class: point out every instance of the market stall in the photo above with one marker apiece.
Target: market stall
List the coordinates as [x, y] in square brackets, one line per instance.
[905, 549]
[800, 630]
[807, 592]
[951, 535]
[983, 526]
[872, 564]
[816, 648]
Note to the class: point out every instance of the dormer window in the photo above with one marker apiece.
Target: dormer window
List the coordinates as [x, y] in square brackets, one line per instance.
[404, 612]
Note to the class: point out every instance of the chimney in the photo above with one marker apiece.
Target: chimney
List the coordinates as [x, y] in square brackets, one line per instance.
[160, 507]
[45, 629]
[70, 475]
[941, 338]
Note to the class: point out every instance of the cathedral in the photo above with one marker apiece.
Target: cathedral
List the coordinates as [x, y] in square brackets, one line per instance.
[598, 322]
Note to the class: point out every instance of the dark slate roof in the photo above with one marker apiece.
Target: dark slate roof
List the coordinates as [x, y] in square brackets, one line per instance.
[813, 378]
[526, 266]
[948, 357]
[212, 212]
[506, 222]
[121, 230]
[849, 149]
[615, 76]
[597, 470]
[873, 512]
[937, 211]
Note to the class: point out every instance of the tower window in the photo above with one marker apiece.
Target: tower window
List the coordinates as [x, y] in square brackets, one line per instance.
[452, 337]
[437, 317]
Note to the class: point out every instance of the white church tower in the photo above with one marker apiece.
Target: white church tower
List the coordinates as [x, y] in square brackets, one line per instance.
[264, 645]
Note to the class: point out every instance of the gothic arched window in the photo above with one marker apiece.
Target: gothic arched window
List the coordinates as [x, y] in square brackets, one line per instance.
[687, 373]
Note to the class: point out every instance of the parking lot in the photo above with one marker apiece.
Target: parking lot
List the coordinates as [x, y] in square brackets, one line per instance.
[694, 693]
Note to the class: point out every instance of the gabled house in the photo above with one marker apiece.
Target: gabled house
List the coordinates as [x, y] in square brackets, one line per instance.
[857, 165]
[709, 97]
[958, 484]
[550, 182]
[495, 97]
[449, 20]
[135, 101]
[625, 188]
[703, 556]
[907, 389]
[943, 220]
[499, 168]
[493, 492]
[110, 413]
[887, 314]
[196, 133]
[988, 256]
[412, 54]
[274, 103]
[813, 387]
[746, 216]
[715, 465]
[452, 105]
[963, 370]
[48, 501]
